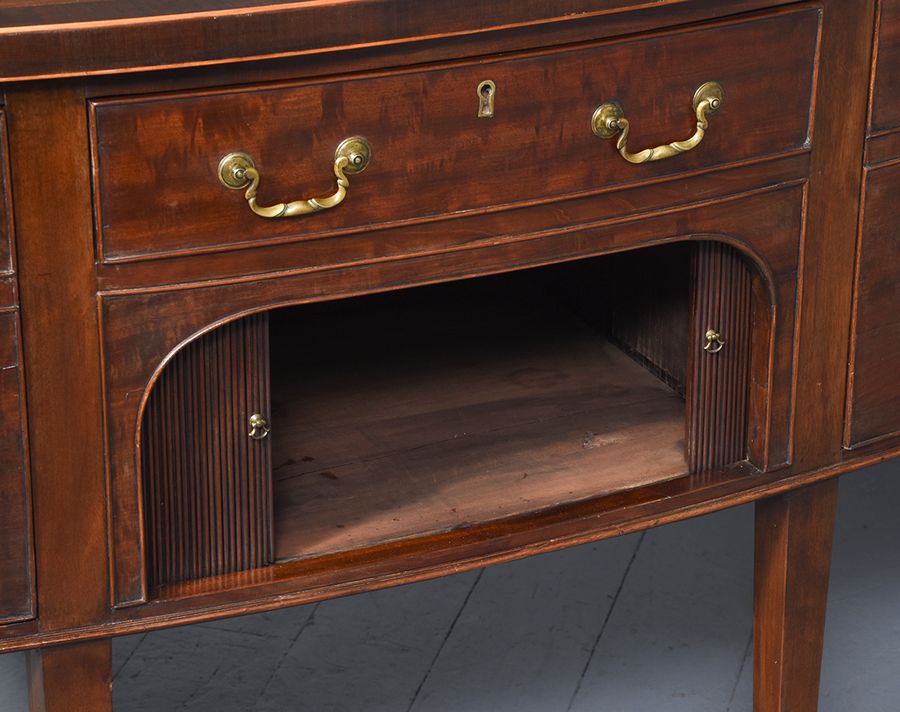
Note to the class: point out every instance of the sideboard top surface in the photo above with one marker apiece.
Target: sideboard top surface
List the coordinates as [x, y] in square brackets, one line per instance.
[33, 13]
[40, 39]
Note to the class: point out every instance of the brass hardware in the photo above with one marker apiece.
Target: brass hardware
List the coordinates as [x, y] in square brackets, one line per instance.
[486, 92]
[609, 120]
[237, 170]
[714, 342]
[259, 427]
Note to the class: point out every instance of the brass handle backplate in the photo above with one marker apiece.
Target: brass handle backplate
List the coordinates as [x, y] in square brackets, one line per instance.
[238, 170]
[259, 427]
[714, 341]
[609, 120]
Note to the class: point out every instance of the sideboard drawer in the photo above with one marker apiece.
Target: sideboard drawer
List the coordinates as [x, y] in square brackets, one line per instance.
[156, 158]
[16, 573]
[886, 98]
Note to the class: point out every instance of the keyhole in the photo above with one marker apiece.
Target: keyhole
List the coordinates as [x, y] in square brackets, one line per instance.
[486, 91]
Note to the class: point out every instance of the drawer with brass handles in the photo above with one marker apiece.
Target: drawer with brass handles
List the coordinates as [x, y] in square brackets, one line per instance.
[219, 169]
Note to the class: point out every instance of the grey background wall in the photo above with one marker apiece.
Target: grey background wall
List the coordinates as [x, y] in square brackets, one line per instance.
[655, 621]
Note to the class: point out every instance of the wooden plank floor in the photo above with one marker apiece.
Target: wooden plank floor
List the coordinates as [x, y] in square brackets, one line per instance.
[656, 621]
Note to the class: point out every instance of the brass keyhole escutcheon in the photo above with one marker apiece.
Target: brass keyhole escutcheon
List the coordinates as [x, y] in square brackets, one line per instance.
[714, 342]
[259, 427]
[487, 90]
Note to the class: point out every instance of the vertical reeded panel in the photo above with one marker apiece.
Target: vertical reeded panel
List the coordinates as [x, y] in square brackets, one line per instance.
[717, 389]
[207, 484]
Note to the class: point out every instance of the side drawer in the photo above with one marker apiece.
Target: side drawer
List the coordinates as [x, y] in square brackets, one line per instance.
[16, 568]
[886, 98]
[873, 410]
[156, 158]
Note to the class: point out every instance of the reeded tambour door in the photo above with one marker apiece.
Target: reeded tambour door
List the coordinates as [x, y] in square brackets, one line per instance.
[718, 382]
[205, 457]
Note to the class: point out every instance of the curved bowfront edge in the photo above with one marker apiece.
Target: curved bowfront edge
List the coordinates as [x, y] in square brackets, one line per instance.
[731, 492]
[64, 39]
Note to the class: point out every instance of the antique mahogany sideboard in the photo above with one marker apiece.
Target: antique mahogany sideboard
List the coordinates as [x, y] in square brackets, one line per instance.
[545, 272]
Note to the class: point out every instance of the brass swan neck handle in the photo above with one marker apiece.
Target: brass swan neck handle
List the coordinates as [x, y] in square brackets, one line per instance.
[238, 170]
[609, 120]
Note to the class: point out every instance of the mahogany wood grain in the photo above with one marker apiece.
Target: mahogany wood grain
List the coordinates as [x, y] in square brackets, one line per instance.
[760, 355]
[71, 678]
[873, 400]
[349, 573]
[16, 555]
[794, 532]
[790, 206]
[156, 158]
[459, 233]
[499, 403]
[7, 262]
[886, 100]
[718, 382]
[83, 38]
[17, 585]
[770, 222]
[48, 145]
[207, 484]
[826, 279]
[882, 148]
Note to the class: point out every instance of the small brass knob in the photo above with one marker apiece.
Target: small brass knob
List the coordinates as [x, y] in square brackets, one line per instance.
[714, 342]
[259, 427]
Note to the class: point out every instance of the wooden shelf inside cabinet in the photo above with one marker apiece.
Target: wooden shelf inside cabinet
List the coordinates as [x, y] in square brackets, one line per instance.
[511, 411]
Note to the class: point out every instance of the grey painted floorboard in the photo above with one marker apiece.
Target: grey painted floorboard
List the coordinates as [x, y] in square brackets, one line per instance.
[861, 665]
[527, 631]
[12, 683]
[862, 633]
[678, 635]
[368, 652]
[206, 667]
[676, 638]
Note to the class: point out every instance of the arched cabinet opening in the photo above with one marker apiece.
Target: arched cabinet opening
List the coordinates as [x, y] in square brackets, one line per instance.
[344, 425]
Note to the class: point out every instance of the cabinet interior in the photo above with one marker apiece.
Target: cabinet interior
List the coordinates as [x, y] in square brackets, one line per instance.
[445, 406]
[428, 409]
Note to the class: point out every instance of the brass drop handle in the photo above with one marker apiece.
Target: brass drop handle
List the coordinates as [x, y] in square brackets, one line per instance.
[259, 427]
[714, 342]
[609, 120]
[237, 170]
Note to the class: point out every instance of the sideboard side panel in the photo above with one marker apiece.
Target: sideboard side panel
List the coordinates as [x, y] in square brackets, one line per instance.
[874, 392]
[17, 593]
[16, 567]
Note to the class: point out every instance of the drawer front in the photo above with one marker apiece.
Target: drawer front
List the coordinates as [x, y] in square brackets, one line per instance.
[16, 572]
[886, 99]
[874, 406]
[156, 158]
